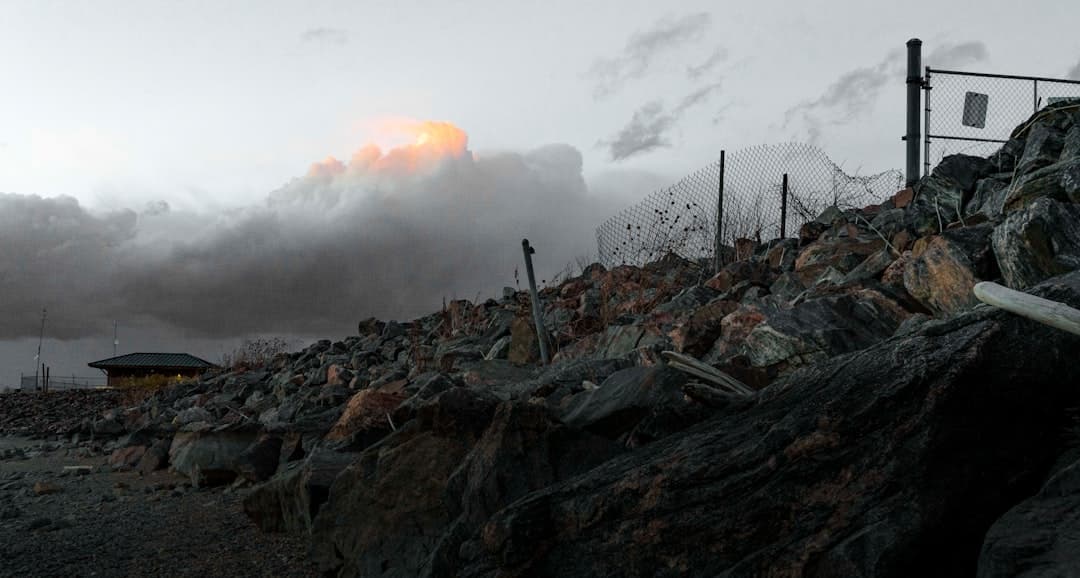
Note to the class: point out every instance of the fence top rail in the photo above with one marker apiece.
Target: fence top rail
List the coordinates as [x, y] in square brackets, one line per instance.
[1008, 76]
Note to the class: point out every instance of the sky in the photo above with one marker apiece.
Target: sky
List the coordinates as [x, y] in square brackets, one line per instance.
[202, 172]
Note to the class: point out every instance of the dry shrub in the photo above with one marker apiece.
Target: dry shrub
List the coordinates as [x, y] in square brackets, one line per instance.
[254, 353]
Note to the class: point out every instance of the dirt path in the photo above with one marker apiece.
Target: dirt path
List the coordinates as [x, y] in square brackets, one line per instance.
[57, 522]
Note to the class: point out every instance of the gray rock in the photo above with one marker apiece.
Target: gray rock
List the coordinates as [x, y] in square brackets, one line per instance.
[209, 458]
[1043, 147]
[1038, 242]
[623, 399]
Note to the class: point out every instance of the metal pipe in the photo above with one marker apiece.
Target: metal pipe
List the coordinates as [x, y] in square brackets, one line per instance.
[1035, 95]
[926, 121]
[537, 311]
[783, 208]
[914, 87]
[719, 241]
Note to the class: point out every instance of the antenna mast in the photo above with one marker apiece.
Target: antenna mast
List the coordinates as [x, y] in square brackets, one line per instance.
[37, 358]
[115, 339]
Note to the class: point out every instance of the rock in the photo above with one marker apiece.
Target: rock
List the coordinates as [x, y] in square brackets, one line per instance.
[942, 270]
[523, 450]
[193, 415]
[989, 198]
[156, 457]
[208, 458]
[705, 326]
[366, 415]
[1038, 242]
[813, 330]
[500, 349]
[623, 399]
[496, 372]
[43, 488]
[524, 347]
[846, 468]
[384, 519]
[289, 501]
[1059, 181]
[260, 460]
[127, 458]
[871, 268]
[842, 254]
[1040, 536]
[338, 375]
[1042, 148]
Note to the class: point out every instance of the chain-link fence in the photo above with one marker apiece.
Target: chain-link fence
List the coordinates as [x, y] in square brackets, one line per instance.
[974, 113]
[57, 383]
[767, 192]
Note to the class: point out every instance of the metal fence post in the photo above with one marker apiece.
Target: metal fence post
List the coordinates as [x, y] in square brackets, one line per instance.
[537, 311]
[719, 219]
[1035, 95]
[783, 208]
[914, 86]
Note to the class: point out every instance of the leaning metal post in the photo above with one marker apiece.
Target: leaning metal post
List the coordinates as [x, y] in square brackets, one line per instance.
[914, 86]
[536, 310]
[719, 219]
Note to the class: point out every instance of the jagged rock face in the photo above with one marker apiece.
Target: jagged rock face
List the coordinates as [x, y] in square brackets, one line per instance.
[891, 461]
[1038, 242]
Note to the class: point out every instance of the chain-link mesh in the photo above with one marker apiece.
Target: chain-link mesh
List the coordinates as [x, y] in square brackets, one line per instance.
[681, 219]
[964, 109]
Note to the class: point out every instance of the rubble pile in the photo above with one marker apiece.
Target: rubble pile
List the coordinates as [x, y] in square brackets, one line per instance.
[896, 428]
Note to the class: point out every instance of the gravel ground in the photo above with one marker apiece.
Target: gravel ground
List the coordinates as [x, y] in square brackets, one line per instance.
[94, 522]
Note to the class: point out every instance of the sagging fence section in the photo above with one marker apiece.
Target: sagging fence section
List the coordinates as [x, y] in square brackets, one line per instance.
[759, 193]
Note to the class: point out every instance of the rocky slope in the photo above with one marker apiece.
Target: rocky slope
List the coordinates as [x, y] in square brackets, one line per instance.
[898, 427]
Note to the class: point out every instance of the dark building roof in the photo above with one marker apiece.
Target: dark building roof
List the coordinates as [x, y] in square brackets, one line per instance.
[152, 360]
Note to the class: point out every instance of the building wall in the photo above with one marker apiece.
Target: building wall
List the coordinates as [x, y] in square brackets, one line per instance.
[117, 375]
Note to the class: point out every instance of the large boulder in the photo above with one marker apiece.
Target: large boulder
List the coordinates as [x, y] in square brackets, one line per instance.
[845, 468]
[387, 512]
[942, 269]
[289, 501]
[1039, 537]
[1038, 242]
[209, 458]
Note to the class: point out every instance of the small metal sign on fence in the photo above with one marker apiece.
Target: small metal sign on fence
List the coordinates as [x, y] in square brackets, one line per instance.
[975, 105]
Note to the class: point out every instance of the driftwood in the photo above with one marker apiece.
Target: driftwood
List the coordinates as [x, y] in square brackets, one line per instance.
[707, 373]
[1044, 311]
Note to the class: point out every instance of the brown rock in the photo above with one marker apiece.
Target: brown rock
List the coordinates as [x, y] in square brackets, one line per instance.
[943, 269]
[365, 410]
[46, 488]
[903, 198]
[843, 254]
[524, 347]
[126, 458]
[704, 327]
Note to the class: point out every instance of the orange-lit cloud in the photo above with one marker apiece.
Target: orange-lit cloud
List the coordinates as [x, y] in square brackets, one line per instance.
[426, 145]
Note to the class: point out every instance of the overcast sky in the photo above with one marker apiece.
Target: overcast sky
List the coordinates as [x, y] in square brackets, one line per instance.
[156, 158]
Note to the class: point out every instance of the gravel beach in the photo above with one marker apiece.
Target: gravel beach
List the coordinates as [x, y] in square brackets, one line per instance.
[64, 512]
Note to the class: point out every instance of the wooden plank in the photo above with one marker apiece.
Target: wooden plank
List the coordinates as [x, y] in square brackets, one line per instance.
[1045, 311]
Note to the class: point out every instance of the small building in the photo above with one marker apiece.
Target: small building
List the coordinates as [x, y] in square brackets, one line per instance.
[137, 365]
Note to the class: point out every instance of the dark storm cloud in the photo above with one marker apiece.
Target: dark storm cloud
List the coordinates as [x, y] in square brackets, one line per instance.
[642, 48]
[854, 93]
[650, 125]
[57, 255]
[322, 252]
[325, 35]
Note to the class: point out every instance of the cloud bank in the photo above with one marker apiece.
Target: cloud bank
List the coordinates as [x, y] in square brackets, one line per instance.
[386, 233]
[642, 48]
